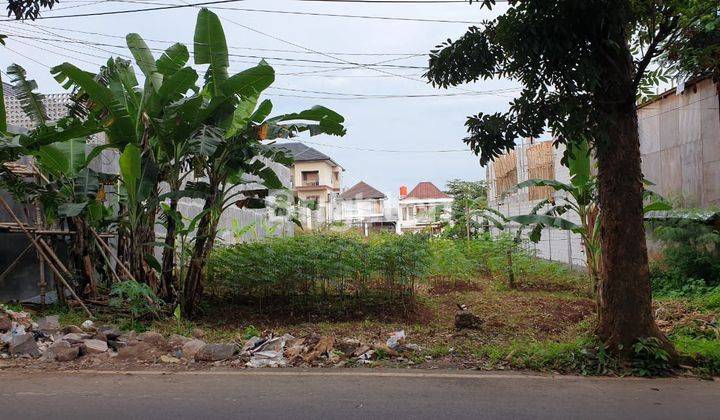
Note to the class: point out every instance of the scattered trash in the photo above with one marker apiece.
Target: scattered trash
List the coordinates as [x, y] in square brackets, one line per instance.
[396, 339]
[269, 353]
[21, 337]
[251, 344]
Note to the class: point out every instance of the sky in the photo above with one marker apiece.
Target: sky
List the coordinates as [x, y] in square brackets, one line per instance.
[390, 141]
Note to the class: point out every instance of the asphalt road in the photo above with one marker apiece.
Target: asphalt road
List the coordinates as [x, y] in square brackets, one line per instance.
[348, 394]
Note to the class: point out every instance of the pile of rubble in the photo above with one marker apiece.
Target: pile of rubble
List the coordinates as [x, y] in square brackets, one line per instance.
[20, 337]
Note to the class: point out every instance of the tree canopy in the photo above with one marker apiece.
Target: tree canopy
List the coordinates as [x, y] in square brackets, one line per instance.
[563, 52]
[28, 9]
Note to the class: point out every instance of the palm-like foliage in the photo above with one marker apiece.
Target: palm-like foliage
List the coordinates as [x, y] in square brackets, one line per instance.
[579, 197]
[30, 101]
[166, 129]
[168, 125]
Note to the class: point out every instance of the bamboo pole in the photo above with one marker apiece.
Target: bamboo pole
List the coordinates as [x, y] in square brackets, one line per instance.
[109, 251]
[107, 261]
[15, 262]
[41, 261]
[37, 242]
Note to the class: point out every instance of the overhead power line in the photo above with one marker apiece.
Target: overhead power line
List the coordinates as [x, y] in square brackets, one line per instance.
[362, 149]
[216, 2]
[230, 46]
[304, 13]
[120, 12]
[304, 60]
[296, 45]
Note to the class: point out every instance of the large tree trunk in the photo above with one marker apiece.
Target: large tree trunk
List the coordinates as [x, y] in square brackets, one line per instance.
[624, 296]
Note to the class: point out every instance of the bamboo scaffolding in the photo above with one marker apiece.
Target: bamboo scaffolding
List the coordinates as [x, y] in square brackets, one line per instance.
[47, 253]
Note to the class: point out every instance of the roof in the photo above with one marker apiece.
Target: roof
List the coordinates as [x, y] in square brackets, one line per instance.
[698, 215]
[425, 190]
[303, 153]
[361, 191]
[673, 91]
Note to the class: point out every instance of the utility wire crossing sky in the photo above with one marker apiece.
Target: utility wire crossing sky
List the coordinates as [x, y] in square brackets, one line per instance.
[362, 58]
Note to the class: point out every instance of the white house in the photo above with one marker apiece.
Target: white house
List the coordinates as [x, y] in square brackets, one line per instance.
[424, 208]
[364, 206]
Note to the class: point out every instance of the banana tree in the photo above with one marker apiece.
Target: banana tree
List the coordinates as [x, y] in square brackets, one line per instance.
[68, 190]
[154, 147]
[235, 152]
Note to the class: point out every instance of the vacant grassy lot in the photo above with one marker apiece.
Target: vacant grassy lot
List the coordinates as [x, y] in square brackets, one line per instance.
[544, 323]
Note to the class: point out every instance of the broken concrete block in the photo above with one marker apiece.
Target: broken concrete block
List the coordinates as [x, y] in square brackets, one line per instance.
[62, 353]
[5, 323]
[216, 352]
[24, 345]
[73, 338]
[191, 348]
[92, 346]
[177, 341]
[72, 329]
[49, 324]
[110, 332]
[141, 351]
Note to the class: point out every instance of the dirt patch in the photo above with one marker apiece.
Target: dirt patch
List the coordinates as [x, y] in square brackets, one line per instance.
[280, 311]
[676, 317]
[445, 287]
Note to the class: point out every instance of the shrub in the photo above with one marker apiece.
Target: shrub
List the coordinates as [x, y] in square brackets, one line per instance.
[319, 264]
[690, 263]
[649, 358]
[136, 298]
[449, 261]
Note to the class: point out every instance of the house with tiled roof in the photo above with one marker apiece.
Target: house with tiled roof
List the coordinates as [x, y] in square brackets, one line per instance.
[365, 207]
[425, 208]
[316, 181]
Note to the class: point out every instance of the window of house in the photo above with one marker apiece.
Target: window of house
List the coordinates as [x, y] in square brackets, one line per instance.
[310, 178]
[377, 207]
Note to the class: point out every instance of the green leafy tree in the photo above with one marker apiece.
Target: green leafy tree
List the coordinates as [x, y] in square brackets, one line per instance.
[581, 65]
[468, 196]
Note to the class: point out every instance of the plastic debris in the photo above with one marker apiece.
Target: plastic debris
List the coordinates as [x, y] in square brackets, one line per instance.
[269, 354]
[396, 339]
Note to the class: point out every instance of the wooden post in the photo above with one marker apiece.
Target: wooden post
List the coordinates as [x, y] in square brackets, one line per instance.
[109, 251]
[107, 261]
[41, 261]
